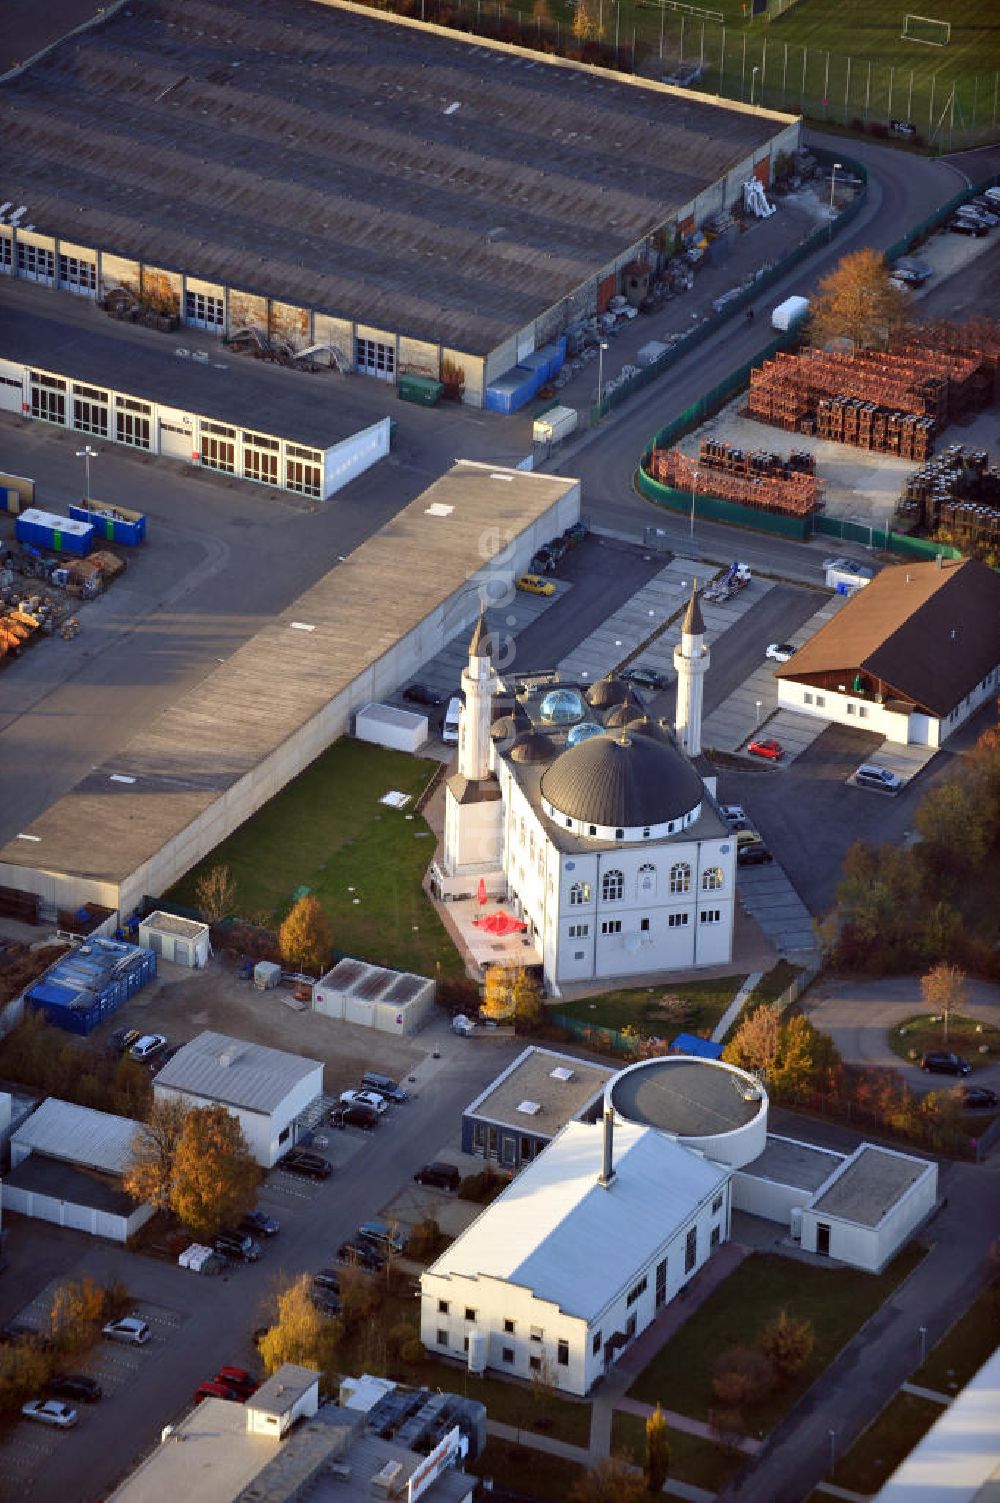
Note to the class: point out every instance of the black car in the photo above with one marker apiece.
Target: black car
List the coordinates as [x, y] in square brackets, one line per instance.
[327, 1278]
[238, 1247]
[941, 1062]
[355, 1114]
[384, 1086]
[968, 227]
[75, 1386]
[978, 1097]
[121, 1041]
[362, 1254]
[441, 1176]
[646, 678]
[260, 1225]
[419, 694]
[326, 1303]
[756, 854]
[313, 1165]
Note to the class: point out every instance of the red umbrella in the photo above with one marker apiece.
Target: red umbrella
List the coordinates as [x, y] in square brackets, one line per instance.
[500, 923]
[482, 891]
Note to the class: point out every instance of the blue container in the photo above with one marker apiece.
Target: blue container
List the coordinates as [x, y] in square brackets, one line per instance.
[513, 389]
[112, 523]
[86, 986]
[45, 529]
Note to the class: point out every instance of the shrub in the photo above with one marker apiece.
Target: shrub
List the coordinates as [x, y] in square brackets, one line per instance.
[742, 1377]
[788, 1343]
[412, 1352]
[425, 1237]
[484, 1186]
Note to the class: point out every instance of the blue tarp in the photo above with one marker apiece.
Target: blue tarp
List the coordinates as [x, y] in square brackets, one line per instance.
[689, 1043]
[91, 982]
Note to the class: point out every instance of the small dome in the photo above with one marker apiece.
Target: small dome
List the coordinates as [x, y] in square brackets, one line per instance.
[621, 714]
[561, 707]
[643, 726]
[584, 731]
[503, 728]
[622, 781]
[607, 692]
[533, 747]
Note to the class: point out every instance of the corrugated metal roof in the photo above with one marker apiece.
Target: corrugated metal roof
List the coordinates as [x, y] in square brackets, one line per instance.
[78, 1135]
[958, 1460]
[573, 1241]
[234, 1072]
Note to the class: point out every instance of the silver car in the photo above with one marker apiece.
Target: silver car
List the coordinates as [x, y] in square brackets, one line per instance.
[50, 1412]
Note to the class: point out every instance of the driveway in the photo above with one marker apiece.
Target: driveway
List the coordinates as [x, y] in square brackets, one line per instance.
[857, 1014]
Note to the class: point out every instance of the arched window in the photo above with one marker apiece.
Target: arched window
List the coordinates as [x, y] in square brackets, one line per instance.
[711, 879]
[647, 879]
[680, 877]
[541, 861]
[531, 846]
[612, 886]
[522, 829]
[579, 893]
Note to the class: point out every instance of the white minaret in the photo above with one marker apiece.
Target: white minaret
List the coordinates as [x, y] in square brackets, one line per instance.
[691, 660]
[479, 685]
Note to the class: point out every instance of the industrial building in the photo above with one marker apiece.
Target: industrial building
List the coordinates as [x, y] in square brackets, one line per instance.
[396, 195]
[910, 657]
[66, 1167]
[521, 1111]
[137, 823]
[266, 1090]
[182, 941]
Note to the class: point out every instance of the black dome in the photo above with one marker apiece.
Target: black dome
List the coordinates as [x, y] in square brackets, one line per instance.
[643, 726]
[533, 747]
[622, 781]
[607, 692]
[622, 713]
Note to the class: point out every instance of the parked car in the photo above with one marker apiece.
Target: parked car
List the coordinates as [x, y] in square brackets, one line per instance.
[239, 1380]
[869, 775]
[164, 1057]
[753, 855]
[978, 1097]
[326, 1303]
[943, 1062]
[911, 271]
[50, 1412]
[766, 747]
[356, 1115]
[534, 584]
[238, 1247]
[121, 1041]
[129, 1328]
[748, 837]
[384, 1235]
[313, 1165]
[576, 533]
[645, 677]
[145, 1047]
[734, 815]
[365, 1098]
[968, 227]
[327, 1278]
[260, 1224]
[363, 1254]
[441, 1176]
[975, 213]
[216, 1391]
[75, 1386]
[385, 1086]
[780, 652]
[419, 694]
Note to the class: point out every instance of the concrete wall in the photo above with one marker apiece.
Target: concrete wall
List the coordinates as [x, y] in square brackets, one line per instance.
[115, 1228]
[767, 1198]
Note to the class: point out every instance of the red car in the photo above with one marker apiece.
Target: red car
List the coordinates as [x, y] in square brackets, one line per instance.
[763, 747]
[238, 1379]
[216, 1391]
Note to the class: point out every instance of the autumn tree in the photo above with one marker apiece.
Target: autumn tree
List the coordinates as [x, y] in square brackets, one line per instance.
[304, 938]
[215, 891]
[498, 1002]
[610, 1481]
[77, 1311]
[300, 1334]
[856, 302]
[526, 999]
[787, 1343]
[949, 821]
[944, 990]
[742, 1377]
[586, 25]
[656, 1464]
[215, 1178]
[755, 1044]
[808, 1060]
[150, 1176]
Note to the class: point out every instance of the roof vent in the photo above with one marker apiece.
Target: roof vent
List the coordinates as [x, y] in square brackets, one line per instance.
[529, 1108]
[561, 1073]
[227, 1058]
[438, 509]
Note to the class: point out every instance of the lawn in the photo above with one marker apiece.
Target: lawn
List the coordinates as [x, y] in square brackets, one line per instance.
[534, 1473]
[961, 1353]
[877, 1452]
[328, 832]
[965, 1036]
[704, 1002]
[836, 1300]
[692, 1459]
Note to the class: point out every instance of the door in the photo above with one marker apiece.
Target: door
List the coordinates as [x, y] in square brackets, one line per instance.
[372, 358]
[175, 442]
[823, 1239]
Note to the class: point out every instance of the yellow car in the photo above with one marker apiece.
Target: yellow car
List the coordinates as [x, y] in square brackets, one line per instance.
[535, 584]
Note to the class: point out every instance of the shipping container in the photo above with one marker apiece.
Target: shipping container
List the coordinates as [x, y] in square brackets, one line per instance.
[421, 389]
[115, 524]
[45, 529]
[511, 391]
[556, 424]
[86, 986]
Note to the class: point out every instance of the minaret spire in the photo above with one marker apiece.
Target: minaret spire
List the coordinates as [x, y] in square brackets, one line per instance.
[479, 685]
[691, 662]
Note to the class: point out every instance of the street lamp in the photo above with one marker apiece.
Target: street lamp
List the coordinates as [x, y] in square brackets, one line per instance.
[833, 185]
[694, 482]
[833, 1448]
[600, 373]
[760, 705]
[923, 1345]
[753, 83]
[87, 454]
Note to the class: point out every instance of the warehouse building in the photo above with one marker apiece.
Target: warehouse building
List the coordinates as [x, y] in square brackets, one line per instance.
[266, 1090]
[910, 657]
[137, 823]
[521, 1111]
[396, 196]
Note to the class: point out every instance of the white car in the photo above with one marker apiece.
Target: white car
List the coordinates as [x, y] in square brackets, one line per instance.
[148, 1045]
[129, 1328]
[50, 1412]
[780, 652]
[365, 1098]
[735, 815]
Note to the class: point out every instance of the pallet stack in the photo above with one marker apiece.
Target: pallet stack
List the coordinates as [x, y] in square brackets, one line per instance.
[960, 492]
[759, 479]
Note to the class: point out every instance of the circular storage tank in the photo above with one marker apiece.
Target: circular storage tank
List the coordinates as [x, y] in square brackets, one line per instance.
[703, 1103]
[478, 1344]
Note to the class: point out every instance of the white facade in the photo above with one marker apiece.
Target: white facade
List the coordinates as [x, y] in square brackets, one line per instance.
[863, 1225]
[385, 725]
[374, 997]
[115, 1226]
[182, 941]
[865, 714]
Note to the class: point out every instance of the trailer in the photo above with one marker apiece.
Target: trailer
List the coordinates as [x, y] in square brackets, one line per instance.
[736, 578]
[553, 426]
[115, 524]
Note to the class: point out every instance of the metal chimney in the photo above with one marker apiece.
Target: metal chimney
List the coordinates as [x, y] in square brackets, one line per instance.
[607, 1164]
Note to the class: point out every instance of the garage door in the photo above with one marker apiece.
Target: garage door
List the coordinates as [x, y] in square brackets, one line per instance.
[175, 442]
[374, 359]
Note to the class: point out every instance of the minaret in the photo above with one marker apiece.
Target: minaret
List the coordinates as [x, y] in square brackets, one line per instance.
[479, 685]
[691, 660]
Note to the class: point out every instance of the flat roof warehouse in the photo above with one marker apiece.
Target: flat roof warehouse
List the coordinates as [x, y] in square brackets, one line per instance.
[377, 169]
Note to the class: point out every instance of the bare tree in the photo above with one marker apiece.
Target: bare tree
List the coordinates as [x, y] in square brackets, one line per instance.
[216, 894]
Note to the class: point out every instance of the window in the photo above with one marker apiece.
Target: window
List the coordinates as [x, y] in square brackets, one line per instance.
[711, 879]
[470, 1314]
[203, 310]
[820, 701]
[850, 709]
[535, 1363]
[677, 920]
[647, 877]
[537, 1333]
[90, 417]
[77, 275]
[680, 877]
[578, 955]
[644, 926]
[611, 926]
[717, 1204]
[612, 886]
[579, 893]
[508, 1326]
[6, 252]
[479, 1137]
[442, 1338]
[691, 1249]
[260, 458]
[862, 712]
[48, 399]
[807, 698]
[661, 1283]
[591, 829]
[619, 834]
[645, 833]
[307, 479]
[374, 359]
[710, 915]
[131, 426]
[637, 1290]
[217, 453]
[465, 1343]
[507, 1353]
[285, 1134]
[579, 931]
[562, 1354]
[36, 263]
[443, 1307]
[716, 1237]
[595, 1345]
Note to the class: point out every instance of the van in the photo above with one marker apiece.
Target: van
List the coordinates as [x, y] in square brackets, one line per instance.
[391, 1238]
[451, 718]
[237, 1247]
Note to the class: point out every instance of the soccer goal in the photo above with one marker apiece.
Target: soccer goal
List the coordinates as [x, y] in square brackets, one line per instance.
[925, 29]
